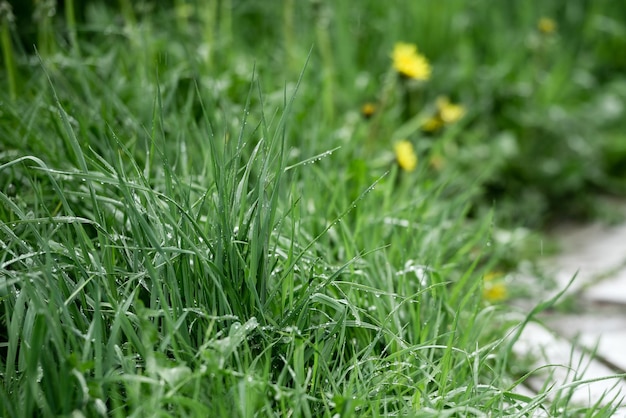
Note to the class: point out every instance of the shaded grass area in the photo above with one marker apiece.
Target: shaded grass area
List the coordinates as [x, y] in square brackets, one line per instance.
[197, 220]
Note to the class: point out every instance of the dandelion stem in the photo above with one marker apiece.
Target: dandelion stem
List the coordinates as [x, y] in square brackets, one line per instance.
[44, 12]
[209, 17]
[70, 17]
[127, 11]
[328, 72]
[9, 58]
[288, 31]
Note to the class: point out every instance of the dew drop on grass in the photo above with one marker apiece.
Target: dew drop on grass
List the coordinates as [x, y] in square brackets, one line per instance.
[100, 406]
[251, 324]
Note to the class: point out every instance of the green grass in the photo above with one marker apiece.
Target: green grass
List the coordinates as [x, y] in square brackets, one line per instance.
[196, 221]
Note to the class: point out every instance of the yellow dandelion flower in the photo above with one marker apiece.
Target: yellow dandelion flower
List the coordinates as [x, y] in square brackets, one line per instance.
[432, 124]
[449, 112]
[368, 109]
[405, 155]
[494, 290]
[493, 276]
[409, 63]
[546, 25]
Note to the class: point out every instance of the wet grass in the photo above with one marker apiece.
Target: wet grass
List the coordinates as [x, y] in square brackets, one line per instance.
[196, 219]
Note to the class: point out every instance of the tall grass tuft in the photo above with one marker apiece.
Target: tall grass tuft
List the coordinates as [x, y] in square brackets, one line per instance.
[193, 225]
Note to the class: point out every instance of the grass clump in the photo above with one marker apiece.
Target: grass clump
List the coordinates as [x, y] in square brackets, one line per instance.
[184, 234]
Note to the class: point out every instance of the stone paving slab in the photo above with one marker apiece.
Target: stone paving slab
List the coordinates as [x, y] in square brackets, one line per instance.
[611, 347]
[588, 252]
[610, 290]
[568, 364]
[604, 333]
[594, 322]
[596, 255]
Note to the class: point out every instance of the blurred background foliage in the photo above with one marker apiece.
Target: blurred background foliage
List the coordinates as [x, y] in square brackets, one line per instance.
[155, 95]
[544, 130]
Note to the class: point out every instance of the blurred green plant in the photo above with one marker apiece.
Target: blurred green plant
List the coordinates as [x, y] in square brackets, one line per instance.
[178, 239]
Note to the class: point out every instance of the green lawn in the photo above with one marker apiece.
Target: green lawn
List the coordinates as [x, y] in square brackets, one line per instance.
[265, 208]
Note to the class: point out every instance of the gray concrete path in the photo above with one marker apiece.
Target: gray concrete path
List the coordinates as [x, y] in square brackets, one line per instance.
[588, 341]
